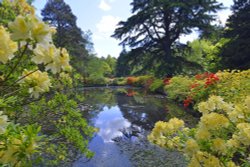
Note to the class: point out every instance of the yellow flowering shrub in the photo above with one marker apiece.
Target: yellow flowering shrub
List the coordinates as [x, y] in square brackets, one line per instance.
[16, 149]
[221, 138]
[30, 66]
[233, 86]
[30, 27]
[38, 82]
[7, 46]
[21, 7]
[60, 62]
[54, 59]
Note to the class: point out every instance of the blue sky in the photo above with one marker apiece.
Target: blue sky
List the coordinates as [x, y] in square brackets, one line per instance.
[101, 17]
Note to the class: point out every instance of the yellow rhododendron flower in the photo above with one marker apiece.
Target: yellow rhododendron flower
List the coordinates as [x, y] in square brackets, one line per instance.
[247, 102]
[38, 82]
[3, 122]
[159, 128]
[212, 161]
[232, 143]
[237, 115]
[219, 145]
[191, 147]
[214, 121]
[202, 134]
[40, 32]
[30, 27]
[177, 123]
[7, 46]
[214, 103]
[204, 159]
[60, 62]
[55, 59]
[231, 164]
[244, 133]
[203, 107]
[21, 28]
[45, 54]
[23, 7]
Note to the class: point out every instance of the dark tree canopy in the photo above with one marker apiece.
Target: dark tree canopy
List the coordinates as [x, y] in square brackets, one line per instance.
[122, 66]
[59, 14]
[236, 53]
[156, 25]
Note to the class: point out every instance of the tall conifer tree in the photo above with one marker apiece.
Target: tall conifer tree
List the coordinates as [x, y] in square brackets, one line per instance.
[59, 14]
[156, 25]
[236, 53]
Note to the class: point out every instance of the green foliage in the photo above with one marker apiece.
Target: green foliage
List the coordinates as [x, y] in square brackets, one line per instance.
[232, 86]
[66, 126]
[205, 53]
[40, 123]
[97, 69]
[7, 13]
[157, 85]
[120, 81]
[144, 81]
[178, 88]
[19, 145]
[235, 53]
[111, 61]
[160, 24]
[123, 67]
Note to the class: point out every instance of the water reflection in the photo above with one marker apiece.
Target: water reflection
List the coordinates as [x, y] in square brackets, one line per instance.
[120, 117]
[110, 123]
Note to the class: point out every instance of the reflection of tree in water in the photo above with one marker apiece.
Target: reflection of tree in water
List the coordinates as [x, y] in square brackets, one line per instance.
[142, 114]
[96, 99]
[176, 111]
[100, 96]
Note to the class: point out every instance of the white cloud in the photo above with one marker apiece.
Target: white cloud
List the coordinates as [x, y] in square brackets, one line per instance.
[107, 24]
[97, 37]
[104, 44]
[104, 6]
[223, 16]
[188, 38]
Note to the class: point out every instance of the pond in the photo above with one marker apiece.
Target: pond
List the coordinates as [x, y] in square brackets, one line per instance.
[124, 117]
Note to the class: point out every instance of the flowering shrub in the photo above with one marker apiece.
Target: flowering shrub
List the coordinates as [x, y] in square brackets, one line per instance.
[221, 138]
[178, 88]
[232, 85]
[131, 80]
[7, 46]
[201, 88]
[31, 67]
[166, 81]
[145, 81]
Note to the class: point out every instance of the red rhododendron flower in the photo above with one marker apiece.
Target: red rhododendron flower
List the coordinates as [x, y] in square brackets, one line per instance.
[166, 81]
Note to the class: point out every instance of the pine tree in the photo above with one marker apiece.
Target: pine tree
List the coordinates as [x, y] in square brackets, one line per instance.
[236, 53]
[156, 25]
[59, 14]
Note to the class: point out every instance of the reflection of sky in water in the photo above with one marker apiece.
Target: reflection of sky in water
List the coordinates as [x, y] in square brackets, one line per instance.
[110, 121]
[107, 154]
[128, 120]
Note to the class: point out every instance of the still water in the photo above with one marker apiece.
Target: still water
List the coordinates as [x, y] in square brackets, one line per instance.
[124, 118]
